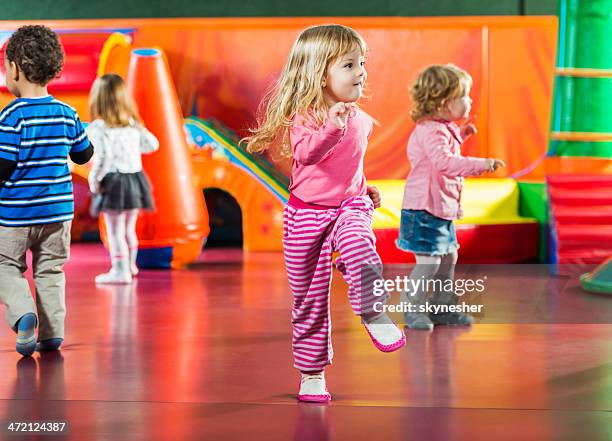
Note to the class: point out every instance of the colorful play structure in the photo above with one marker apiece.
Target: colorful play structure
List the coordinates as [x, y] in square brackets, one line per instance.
[201, 81]
[581, 127]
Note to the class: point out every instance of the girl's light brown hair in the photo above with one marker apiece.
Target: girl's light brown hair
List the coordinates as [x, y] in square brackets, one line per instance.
[299, 88]
[110, 100]
[435, 87]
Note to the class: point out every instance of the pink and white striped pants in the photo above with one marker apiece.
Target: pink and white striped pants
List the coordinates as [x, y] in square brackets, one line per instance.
[310, 237]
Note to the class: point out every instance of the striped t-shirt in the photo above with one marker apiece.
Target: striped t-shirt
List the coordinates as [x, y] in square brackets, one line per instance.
[38, 134]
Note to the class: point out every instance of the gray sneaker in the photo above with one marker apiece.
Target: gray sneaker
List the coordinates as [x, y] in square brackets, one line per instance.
[418, 321]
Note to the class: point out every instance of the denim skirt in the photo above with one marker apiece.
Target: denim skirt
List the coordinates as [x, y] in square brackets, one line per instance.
[423, 233]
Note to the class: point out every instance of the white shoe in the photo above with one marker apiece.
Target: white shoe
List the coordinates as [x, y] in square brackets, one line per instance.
[386, 336]
[113, 277]
[313, 389]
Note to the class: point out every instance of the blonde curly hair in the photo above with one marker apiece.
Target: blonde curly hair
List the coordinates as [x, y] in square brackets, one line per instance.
[435, 87]
[299, 88]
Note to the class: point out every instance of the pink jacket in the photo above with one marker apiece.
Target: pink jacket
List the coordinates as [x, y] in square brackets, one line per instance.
[436, 178]
[328, 161]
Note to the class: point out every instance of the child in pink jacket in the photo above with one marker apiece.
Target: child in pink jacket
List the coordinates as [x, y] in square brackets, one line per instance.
[432, 195]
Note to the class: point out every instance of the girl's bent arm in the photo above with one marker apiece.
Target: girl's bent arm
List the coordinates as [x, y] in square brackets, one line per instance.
[312, 145]
[99, 166]
[148, 141]
[98, 169]
[438, 150]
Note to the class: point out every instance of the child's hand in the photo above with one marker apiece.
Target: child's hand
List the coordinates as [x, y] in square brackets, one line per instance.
[374, 194]
[494, 164]
[468, 129]
[338, 114]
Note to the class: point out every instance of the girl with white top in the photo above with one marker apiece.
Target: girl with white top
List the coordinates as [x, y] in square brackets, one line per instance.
[116, 174]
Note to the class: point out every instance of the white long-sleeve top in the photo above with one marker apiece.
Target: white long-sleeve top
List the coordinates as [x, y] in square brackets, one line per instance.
[117, 149]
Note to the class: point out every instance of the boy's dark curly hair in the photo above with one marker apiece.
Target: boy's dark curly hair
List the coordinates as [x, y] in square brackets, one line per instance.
[37, 51]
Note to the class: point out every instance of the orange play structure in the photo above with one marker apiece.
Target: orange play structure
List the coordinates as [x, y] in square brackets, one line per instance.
[180, 221]
[218, 74]
[218, 69]
[257, 186]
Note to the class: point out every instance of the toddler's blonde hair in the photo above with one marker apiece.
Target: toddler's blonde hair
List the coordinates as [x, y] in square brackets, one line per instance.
[435, 87]
[110, 100]
[300, 86]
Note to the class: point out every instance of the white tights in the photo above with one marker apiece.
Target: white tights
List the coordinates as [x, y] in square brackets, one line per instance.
[435, 266]
[121, 235]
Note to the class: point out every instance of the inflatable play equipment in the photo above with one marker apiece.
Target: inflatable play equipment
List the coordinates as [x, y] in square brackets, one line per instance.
[580, 204]
[581, 124]
[492, 230]
[599, 280]
[89, 54]
[219, 76]
[212, 73]
[174, 234]
[259, 188]
[491, 205]
[580, 219]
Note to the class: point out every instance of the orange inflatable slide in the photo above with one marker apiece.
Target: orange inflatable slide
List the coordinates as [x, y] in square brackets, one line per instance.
[208, 69]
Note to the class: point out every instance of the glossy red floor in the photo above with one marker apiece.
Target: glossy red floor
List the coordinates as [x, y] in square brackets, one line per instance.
[205, 354]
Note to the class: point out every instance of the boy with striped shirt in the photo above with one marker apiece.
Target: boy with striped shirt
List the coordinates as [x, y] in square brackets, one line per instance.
[37, 134]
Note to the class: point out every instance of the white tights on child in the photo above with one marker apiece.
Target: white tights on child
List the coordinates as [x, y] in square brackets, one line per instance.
[435, 266]
[440, 269]
[427, 268]
[122, 245]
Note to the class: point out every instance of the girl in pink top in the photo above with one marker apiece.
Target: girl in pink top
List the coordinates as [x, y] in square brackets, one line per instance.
[312, 116]
[432, 195]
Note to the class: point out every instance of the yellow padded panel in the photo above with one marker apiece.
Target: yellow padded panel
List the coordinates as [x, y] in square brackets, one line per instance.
[485, 201]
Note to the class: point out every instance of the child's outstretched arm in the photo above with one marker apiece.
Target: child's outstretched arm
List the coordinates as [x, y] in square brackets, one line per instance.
[312, 144]
[438, 150]
[494, 164]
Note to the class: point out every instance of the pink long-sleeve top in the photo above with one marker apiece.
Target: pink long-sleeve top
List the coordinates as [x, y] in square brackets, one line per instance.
[435, 181]
[328, 161]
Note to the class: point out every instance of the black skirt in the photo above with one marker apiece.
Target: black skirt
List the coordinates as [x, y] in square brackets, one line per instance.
[126, 191]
